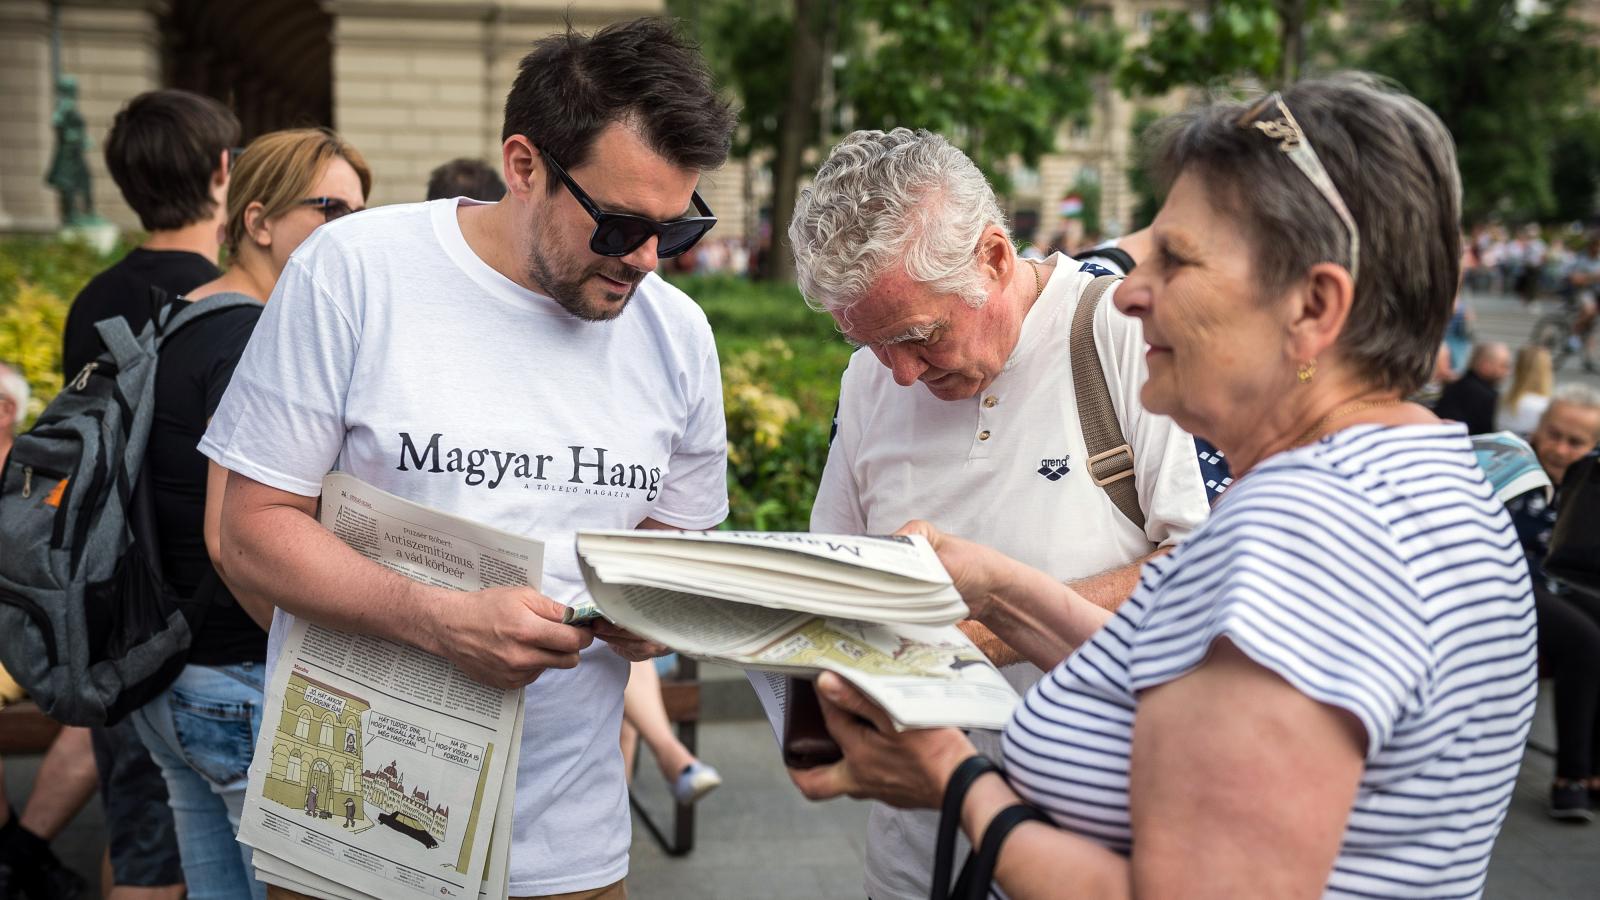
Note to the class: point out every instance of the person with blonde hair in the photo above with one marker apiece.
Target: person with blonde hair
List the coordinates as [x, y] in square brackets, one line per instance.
[201, 731]
[1532, 381]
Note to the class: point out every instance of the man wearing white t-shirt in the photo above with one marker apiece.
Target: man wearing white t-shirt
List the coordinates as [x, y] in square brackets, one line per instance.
[518, 364]
[901, 240]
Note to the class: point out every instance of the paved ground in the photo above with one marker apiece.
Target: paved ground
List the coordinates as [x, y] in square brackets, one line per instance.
[757, 838]
[1502, 318]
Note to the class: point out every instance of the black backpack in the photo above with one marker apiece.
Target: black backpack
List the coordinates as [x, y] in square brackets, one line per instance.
[88, 624]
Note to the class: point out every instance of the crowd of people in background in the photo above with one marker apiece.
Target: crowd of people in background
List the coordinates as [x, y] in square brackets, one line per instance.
[1530, 260]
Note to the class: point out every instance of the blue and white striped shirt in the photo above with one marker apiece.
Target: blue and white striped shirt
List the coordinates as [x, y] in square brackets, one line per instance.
[1375, 572]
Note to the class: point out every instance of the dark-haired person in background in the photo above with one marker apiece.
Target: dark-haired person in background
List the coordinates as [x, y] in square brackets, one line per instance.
[465, 177]
[410, 335]
[168, 152]
[1474, 398]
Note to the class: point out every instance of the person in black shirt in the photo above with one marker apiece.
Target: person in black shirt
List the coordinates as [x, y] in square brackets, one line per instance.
[202, 730]
[1569, 622]
[168, 152]
[1473, 398]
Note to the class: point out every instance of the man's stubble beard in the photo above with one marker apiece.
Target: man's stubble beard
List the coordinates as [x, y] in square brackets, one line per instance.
[569, 292]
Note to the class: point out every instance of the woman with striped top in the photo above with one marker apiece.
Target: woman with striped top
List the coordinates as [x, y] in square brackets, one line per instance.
[1326, 689]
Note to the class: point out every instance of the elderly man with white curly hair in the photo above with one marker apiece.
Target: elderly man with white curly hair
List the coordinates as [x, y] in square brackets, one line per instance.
[1007, 439]
[13, 406]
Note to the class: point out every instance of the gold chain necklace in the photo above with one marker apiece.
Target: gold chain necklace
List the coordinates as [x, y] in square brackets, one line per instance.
[1038, 286]
[1341, 412]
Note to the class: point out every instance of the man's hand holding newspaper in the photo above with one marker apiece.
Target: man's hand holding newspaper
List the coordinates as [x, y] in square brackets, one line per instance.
[506, 636]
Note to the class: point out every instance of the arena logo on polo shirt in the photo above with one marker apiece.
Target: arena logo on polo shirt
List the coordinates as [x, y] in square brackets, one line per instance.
[1055, 469]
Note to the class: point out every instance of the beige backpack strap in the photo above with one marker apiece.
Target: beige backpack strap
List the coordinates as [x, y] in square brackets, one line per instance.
[1110, 457]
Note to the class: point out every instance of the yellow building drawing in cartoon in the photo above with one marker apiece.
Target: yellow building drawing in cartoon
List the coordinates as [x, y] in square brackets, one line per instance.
[316, 754]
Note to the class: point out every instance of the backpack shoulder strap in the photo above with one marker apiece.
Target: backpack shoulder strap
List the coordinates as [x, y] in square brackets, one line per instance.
[178, 317]
[1110, 456]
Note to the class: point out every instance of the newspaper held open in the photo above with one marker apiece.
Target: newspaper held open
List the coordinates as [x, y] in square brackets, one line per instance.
[1510, 465]
[382, 770]
[878, 611]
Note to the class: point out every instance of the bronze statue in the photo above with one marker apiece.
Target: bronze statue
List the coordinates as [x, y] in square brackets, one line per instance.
[69, 166]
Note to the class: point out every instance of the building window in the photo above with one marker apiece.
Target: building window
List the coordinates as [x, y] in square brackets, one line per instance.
[294, 768]
[349, 781]
[325, 737]
[302, 728]
[350, 740]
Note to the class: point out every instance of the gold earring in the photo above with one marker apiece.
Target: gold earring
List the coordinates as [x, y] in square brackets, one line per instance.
[1307, 372]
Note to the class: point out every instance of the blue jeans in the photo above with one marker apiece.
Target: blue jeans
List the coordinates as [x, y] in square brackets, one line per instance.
[202, 731]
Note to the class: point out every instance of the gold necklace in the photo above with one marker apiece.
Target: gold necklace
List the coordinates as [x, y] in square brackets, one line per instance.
[1038, 286]
[1341, 412]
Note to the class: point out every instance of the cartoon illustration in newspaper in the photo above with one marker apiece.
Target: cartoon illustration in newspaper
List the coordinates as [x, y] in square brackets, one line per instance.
[316, 753]
[320, 770]
[869, 649]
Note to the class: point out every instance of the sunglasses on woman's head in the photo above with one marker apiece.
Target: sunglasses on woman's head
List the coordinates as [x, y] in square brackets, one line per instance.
[332, 207]
[618, 234]
[1271, 116]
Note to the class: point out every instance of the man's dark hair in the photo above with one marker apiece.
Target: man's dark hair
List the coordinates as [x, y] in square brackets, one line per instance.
[642, 72]
[465, 177]
[163, 149]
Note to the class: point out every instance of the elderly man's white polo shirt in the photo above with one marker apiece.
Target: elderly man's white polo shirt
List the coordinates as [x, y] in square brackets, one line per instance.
[1005, 468]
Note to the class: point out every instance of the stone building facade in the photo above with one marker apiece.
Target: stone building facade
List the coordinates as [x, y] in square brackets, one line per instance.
[412, 83]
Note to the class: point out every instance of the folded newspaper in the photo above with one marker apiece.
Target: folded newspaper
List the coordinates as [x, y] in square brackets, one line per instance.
[878, 611]
[1510, 465]
[383, 771]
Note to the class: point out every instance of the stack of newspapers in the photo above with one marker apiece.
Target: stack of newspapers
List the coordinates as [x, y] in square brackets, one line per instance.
[878, 611]
[383, 771]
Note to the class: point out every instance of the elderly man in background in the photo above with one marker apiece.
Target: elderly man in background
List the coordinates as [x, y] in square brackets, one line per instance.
[1473, 398]
[1569, 621]
[13, 406]
[962, 405]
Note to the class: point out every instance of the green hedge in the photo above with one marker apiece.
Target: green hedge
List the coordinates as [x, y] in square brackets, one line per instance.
[781, 364]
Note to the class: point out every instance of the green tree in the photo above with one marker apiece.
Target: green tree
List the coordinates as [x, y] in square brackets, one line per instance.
[1139, 180]
[1269, 40]
[1575, 175]
[1507, 77]
[997, 77]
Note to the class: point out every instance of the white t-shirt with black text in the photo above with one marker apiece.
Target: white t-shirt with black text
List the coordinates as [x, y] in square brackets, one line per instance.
[391, 351]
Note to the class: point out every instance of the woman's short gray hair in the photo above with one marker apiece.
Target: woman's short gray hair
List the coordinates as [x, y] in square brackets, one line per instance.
[1394, 164]
[885, 197]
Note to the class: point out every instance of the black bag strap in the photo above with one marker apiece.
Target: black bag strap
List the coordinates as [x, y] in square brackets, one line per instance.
[955, 793]
[977, 876]
[175, 317]
[1110, 455]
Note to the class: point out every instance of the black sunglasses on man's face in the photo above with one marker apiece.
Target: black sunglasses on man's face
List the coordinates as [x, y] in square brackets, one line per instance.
[618, 234]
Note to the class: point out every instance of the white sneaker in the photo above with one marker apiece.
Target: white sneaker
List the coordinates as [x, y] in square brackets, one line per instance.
[695, 781]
